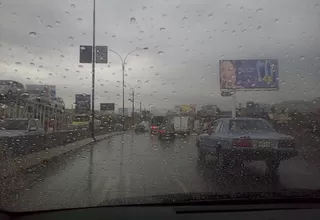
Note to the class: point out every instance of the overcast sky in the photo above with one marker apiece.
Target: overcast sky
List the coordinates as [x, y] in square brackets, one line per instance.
[39, 43]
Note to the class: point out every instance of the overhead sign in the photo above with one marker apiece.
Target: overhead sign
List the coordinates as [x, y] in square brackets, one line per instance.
[106, 106]
[86, 54]
[249, 74]
[82, 103]
[48, 91]
[101, 54]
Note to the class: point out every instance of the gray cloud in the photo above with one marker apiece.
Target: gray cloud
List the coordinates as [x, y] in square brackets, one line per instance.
[186, 42]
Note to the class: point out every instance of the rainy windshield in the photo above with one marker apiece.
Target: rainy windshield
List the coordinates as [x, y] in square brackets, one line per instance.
[14, 125]
[250, 125]
[133, 99]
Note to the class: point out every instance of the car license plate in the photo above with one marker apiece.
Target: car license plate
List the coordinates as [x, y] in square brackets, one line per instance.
[264, 144]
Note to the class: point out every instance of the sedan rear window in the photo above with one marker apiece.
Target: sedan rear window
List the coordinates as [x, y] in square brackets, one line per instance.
[250, 125]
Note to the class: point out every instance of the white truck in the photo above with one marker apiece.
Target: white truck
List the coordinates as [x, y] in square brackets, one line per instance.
[182, 125]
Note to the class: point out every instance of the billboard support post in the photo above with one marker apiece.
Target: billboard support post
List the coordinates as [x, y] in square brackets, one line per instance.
[234, 104]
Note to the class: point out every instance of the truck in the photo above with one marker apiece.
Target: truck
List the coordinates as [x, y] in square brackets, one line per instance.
[182, 125]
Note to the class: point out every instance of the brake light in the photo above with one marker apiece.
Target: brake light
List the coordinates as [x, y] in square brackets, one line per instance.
[154, 127]
[242, 142]
[162, 131]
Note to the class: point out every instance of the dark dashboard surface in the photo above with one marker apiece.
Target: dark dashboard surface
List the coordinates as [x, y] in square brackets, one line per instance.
[259, 211]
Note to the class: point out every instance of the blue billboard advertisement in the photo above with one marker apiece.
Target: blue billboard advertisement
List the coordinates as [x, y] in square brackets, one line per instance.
[249, 74]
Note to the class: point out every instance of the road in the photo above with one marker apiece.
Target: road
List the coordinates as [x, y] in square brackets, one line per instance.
[140, 165]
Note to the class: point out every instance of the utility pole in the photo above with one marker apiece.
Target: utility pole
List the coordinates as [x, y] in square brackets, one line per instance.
[133, 107]
[93, 65]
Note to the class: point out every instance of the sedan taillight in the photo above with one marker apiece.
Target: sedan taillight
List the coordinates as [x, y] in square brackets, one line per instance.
[242, 142]
[286, 144]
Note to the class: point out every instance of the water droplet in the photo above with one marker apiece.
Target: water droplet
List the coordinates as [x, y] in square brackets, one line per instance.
[70, 38]
[113, 36]
[240, 47]
[184, 18]
[132, 20]
[259, 27]
[244, 31]
[210, 15]
[233, 32]
[58, 23]
[49, 26]
[73, 6]
[79, 19]
[259, 10]
[162, 28]
[80, 66]
[144, 8]
[302, 58]
[32, 34]
[317, 6]
[31, 64]
[50, 74]
[62, 56]
[317, 58]
[160, 52]
[241, 8]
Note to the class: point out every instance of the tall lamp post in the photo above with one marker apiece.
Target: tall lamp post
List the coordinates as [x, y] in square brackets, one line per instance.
[123, 61]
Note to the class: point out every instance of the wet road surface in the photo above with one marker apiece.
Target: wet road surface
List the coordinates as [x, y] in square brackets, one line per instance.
[133, 165]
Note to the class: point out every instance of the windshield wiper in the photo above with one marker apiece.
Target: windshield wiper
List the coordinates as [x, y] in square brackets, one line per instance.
[269, 197]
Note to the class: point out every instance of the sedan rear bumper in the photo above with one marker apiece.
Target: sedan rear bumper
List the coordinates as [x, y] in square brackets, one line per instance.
[259, 154]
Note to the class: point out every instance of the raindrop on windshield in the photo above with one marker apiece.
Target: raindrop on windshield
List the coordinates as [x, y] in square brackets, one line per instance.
[18, 63]
[132, 20]
[210, 15]
[49, 26]
[160, 52]
[73, 6]
[184, 18]
[302, 58]
[259, 27]
[58, 23]
[259, 10]
[32, 34]
[162, 29]
[79, 19]
[70, 38]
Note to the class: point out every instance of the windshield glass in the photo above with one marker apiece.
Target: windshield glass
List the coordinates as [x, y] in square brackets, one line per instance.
[14, 125]
[249, 125]
[92, 70]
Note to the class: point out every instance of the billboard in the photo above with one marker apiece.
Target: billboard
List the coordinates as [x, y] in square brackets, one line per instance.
[249, 74]
[82, 103]
[106, 106]
[48, 91]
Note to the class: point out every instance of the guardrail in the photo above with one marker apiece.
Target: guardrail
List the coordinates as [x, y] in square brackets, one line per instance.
[11, 147]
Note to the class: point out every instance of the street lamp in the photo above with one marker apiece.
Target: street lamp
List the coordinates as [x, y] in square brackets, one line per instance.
[123, 63]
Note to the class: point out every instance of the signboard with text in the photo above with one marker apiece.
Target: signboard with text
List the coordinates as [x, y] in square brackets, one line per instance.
[82, 103]
[249, 74]
[106, 106]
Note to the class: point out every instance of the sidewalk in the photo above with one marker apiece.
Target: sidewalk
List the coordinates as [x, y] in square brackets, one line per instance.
[13, 165]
